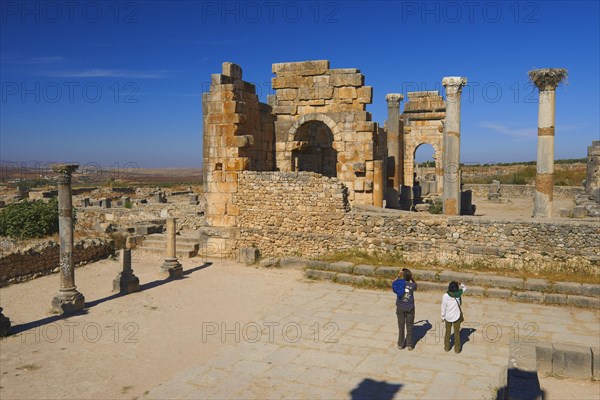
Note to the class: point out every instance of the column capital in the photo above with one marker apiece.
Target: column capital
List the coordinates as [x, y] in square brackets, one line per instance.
[64, 168]
[394, 98]
[547, 78]
[454, 84]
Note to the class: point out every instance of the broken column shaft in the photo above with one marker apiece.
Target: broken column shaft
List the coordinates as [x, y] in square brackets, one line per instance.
[171, 264]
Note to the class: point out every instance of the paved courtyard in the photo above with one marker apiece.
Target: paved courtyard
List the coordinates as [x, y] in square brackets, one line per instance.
[231, 331]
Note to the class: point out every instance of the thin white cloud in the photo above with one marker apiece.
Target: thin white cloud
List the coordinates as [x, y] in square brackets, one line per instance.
[4, 59]
[109, 73]
[516, 133]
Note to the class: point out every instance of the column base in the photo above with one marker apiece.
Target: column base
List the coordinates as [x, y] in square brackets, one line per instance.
[68, 302]
[173, 267]
[4, 324]
[126, 283]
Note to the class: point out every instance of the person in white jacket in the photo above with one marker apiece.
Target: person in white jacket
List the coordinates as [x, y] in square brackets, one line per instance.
[452, 314]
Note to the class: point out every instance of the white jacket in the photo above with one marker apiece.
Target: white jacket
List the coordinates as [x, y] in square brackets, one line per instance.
[450, 308]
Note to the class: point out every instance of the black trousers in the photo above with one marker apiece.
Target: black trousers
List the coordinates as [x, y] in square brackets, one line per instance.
[405, 318]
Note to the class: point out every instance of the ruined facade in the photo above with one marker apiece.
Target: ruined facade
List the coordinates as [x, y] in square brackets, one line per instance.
[316, 121]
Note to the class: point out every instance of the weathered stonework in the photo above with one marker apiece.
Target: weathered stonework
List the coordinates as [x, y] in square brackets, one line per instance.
[308, 214]
[424, 115]
[592, 186]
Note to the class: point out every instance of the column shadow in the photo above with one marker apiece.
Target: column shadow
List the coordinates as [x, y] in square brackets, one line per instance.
[375, 390]
[20, 328]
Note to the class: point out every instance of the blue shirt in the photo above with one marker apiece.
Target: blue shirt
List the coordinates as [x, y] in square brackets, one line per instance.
[407, 300]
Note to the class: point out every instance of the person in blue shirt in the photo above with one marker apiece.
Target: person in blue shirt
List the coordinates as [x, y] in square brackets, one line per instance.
[404, 286]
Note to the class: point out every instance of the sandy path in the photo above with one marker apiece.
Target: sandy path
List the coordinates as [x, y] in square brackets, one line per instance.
[131, 343]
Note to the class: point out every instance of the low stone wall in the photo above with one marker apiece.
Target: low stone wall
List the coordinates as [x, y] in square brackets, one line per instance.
[509, 191]
[307, 214]
[188, 215]
[43, 258]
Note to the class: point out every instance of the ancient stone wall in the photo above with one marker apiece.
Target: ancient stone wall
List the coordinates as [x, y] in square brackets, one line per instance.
[238, 135]
[509, 191]
[322, 124]
[423, 118]
[307, 214]
[43, 258]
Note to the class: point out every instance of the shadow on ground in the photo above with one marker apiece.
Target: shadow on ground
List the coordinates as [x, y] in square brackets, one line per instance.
[375, 390]
[16, 329]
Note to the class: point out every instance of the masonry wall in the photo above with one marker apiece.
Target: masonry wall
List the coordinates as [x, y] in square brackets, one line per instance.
[306, 214]
[42, 259]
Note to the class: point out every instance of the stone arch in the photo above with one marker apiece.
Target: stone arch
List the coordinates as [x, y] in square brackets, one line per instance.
[409, 160]
[335, 130]
[313, 149]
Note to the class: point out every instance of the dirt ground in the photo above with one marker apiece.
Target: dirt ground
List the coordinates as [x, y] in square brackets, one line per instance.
[517, 207]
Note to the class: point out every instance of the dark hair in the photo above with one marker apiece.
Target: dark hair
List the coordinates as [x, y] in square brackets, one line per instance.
[407, 275]
[453, 287]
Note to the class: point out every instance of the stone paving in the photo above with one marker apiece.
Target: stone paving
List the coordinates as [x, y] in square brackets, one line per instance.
[329, 341]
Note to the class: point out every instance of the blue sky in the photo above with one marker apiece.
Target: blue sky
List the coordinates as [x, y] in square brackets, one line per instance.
[120, 82]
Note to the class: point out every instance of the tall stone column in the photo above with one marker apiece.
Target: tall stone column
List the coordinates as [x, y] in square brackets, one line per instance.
[395, 151]
[68, 299]
[171, 264]
[126, 281]
[451, 156]
[378, 183]
[546, 80]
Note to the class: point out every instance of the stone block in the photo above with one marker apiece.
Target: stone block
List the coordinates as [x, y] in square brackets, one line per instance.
[555, 298]
[590, 289]
[346, 92]
[284, 109]
[270, 262]
[314, 274]
[344, 278]
[232, 70]
[476, 291]
[359, 185]
[249, 255]
[583, 301]
[535, 297]
[498, 281]
[387, 272]
[359, 167]
[539, 285]
[596, 362]
[462, 277]
[543, 357]
[368, 186]
[425, 274]
[347, 80]
[243, 141]
[315, 67]
[293, 262]
[361, 280]
[498, 293]
[365, 94]
[432, 287]
[568, 287]
[579, 212]
[572, 361]
[367, 270]
[341, 266]
[564, 212]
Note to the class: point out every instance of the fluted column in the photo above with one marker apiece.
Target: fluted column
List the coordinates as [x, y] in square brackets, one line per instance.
[451, 161]
[395, 151]
[546, 80]
[68, 299]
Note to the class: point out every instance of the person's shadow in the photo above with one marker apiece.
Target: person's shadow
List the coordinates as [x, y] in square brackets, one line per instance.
[420, 329]
[369, 389]
[465, 335]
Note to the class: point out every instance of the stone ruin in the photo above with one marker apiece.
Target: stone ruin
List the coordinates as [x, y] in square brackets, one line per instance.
[317, 121]
[588, 203]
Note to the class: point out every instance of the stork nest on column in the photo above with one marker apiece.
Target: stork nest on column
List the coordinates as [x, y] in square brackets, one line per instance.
[548, 78]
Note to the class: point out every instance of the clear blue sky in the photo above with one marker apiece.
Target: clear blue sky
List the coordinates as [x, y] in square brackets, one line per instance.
[121, 82]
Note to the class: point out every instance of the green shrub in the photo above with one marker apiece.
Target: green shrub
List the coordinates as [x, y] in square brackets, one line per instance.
[30, 219]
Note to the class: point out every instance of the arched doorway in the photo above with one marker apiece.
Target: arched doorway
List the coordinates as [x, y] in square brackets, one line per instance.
[427, 168]
[315, 152]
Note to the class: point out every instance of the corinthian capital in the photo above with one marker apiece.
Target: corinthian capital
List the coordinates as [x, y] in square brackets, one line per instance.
[394, 98]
